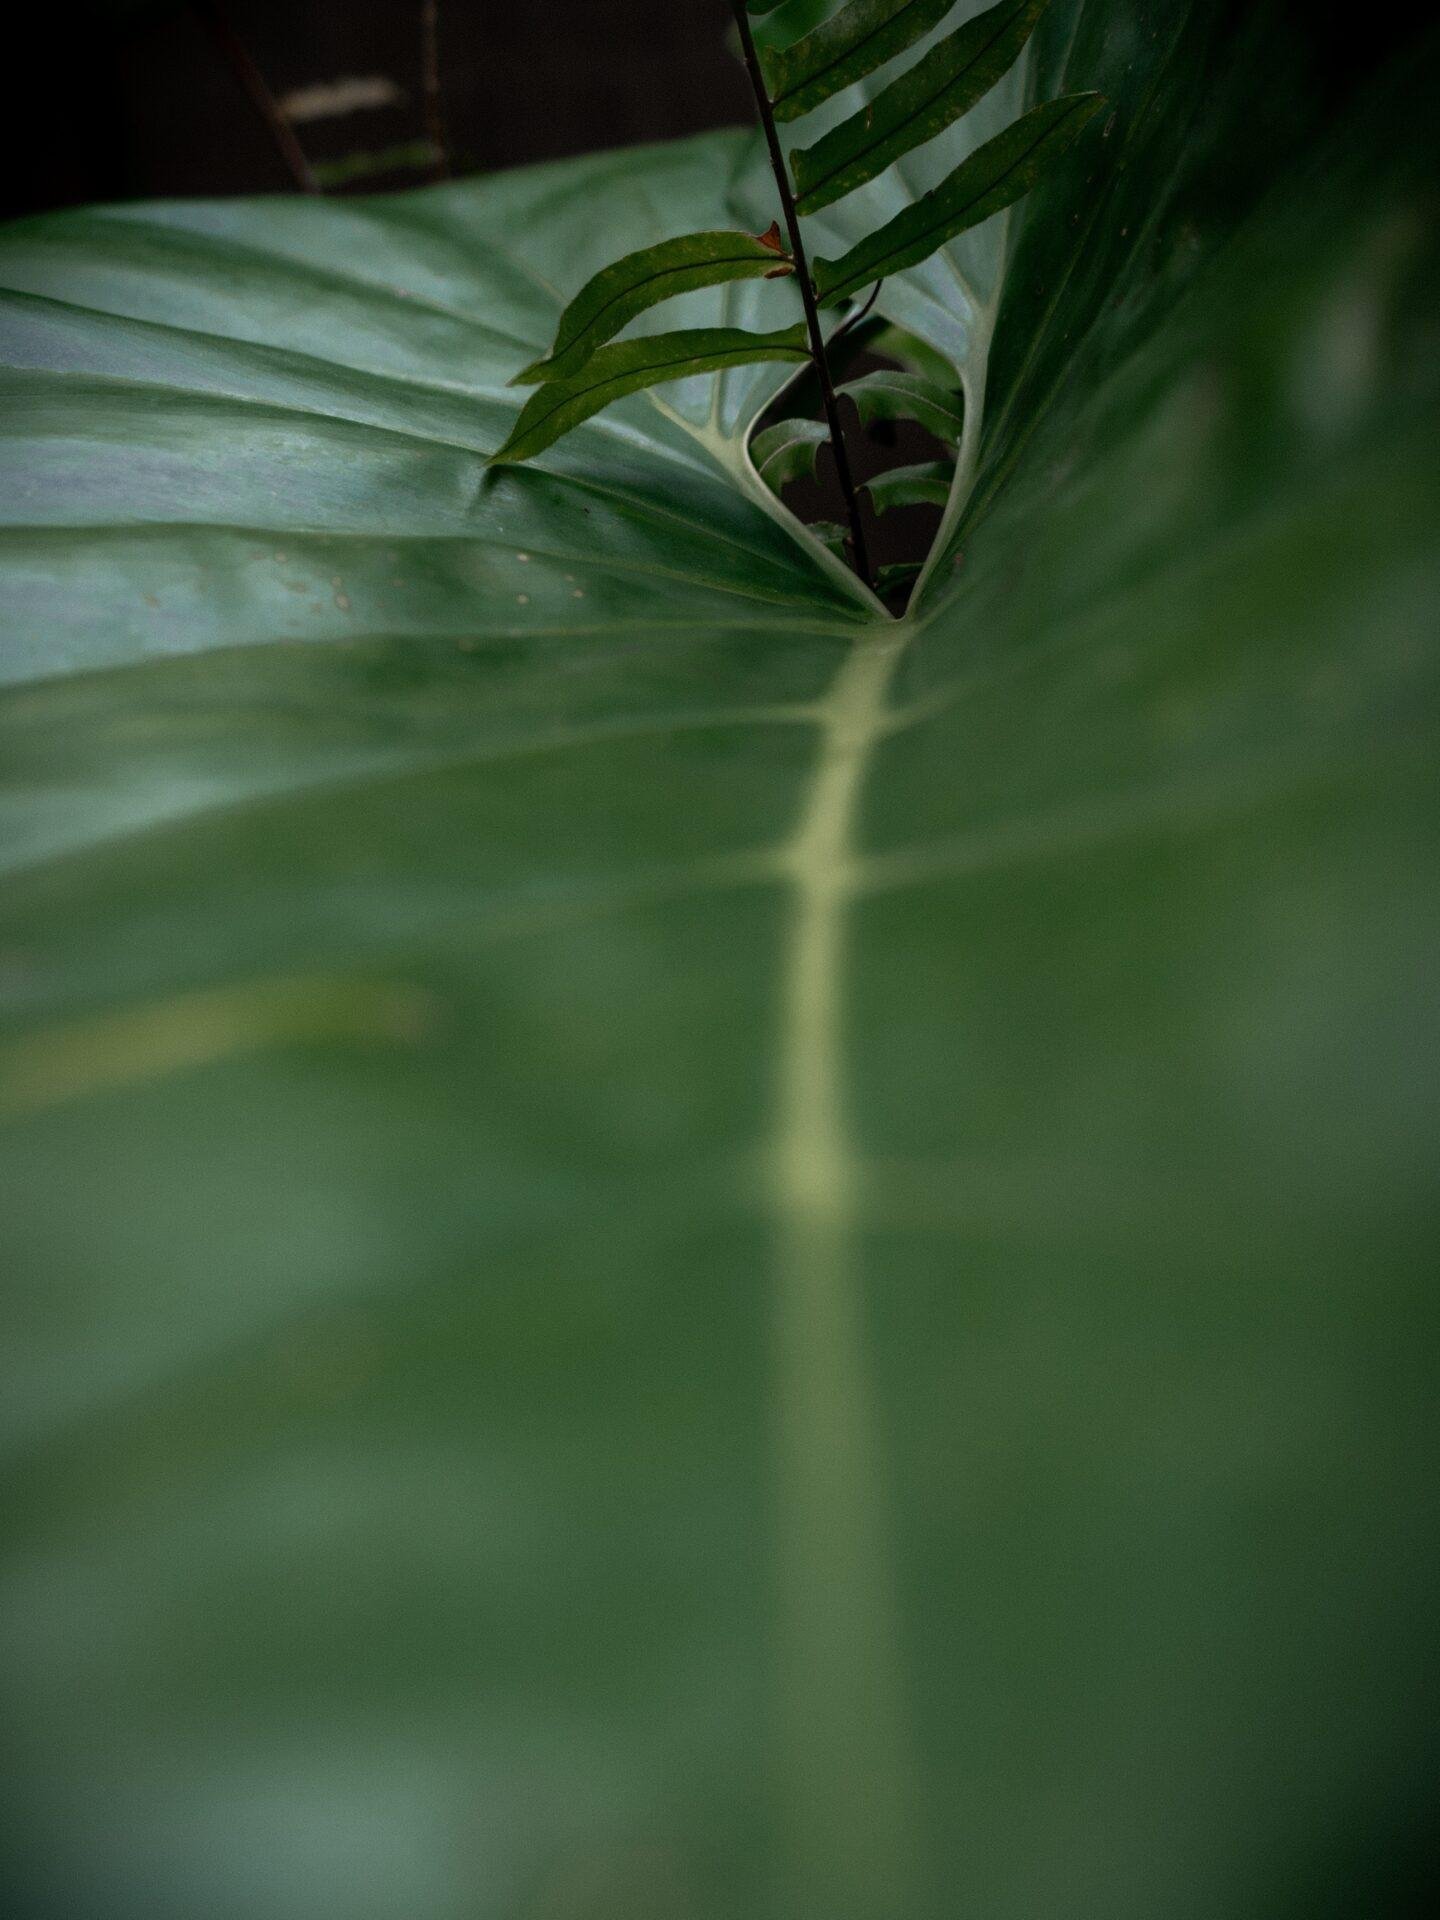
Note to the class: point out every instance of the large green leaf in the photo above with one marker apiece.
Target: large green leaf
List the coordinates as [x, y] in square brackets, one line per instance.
[675, 1250]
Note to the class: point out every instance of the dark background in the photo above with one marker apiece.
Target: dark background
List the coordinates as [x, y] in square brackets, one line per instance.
[135, 98]
[141, 101]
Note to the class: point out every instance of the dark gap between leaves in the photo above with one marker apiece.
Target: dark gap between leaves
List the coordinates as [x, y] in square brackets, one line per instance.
[900, 536]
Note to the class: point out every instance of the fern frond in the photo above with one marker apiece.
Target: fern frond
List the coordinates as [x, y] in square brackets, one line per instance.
[609, 301]
[913, 109]
[627, 366]
[994, 176]
[853, 42]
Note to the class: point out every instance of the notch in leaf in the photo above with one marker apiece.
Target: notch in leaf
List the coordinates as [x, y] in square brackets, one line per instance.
[629, 286]
[626, 366]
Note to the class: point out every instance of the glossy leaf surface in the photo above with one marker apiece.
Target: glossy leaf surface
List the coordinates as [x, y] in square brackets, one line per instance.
[612, 298]
[993, 178]
[851, 42]
[944, 84]
[641, 1209]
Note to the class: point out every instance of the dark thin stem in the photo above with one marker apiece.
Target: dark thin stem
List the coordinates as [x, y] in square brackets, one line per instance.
[430, 84]
[807, 291]
[262, 99]
[852, 320]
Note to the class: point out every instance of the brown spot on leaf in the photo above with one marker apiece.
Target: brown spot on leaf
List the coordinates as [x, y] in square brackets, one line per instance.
[771, 238]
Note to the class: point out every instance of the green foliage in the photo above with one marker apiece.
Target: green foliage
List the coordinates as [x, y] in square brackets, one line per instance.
[993, 178]
[608, 302]
[822, 61]
[674, 1249]
[952, 77]
[889, 395]
[627, 366]
[926, 484]
[831, 536]
[896, 575]
[860, 37]
[788, 451]
[912, 355]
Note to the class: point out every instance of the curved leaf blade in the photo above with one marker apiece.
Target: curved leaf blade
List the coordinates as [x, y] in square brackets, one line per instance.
[629, 366]
[609, 301]
[788, 451]
[926, 484]
[888, 395]
[993, 178]
[913, 109]
[843, 49]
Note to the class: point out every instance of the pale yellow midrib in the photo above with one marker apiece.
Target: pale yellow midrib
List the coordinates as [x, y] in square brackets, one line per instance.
[813, 1153]
[843, 1759]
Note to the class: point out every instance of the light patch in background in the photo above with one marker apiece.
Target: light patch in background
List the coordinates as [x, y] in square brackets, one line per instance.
[333, 99]
[1339, 364]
